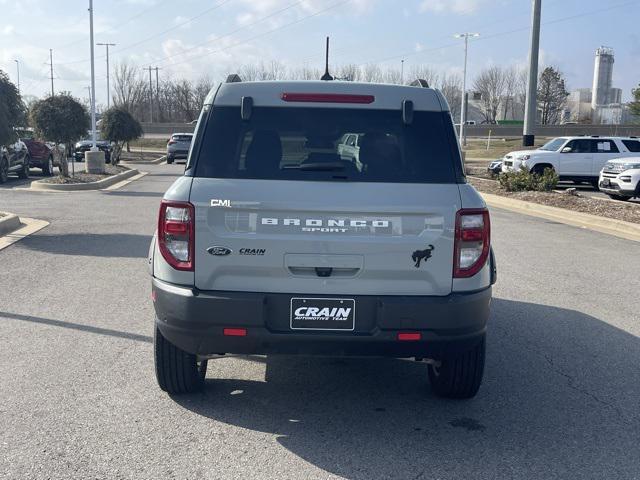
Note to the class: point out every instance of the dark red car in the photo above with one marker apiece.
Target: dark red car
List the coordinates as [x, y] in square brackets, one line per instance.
[40, 153]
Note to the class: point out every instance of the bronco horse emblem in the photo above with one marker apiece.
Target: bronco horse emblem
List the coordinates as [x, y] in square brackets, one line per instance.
[420, 255]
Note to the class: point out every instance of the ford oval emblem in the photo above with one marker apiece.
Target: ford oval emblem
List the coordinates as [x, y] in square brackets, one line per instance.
[219, 251]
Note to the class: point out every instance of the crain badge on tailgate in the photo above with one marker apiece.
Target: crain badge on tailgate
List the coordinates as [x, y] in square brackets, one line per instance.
[219, 251]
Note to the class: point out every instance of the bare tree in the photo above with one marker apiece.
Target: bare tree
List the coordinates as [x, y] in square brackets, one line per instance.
[393, 75]
[201, 90]
[451, 87]
[305, 73]
[350, 73]
[425, 73]
[185, 101]
[372, 73]
[490, 83]
[510, 89]
[129, 90]
[522, 79]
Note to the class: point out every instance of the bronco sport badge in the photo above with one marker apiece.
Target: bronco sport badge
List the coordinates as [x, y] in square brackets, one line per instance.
[420, 255]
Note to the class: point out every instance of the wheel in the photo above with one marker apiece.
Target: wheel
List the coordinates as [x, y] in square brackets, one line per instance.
[176, 370]
[619, 197]
[24, 173]
[595, 185]
[4, 170]
[48, 168]
[539, 169]
[461, 376]
[169, 160]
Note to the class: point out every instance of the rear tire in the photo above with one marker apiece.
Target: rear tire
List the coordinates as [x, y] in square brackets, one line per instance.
[24, 172]
[177, 371]
[48, 168]
[461, 376]
[169, 161]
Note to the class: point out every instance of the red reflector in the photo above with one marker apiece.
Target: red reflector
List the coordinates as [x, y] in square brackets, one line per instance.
[472, 235]
[176, 227]
[327, 98]
[235, 332]
[153, 295]
[409, 337]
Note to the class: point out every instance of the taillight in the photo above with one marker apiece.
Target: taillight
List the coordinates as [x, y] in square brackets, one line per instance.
[472, 242]
[176, 234]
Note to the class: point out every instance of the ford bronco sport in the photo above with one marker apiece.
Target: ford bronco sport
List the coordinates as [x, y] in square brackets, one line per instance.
[276, 242]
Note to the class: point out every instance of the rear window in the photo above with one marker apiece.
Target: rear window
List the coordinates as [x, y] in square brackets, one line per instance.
[632, 145]
[182, 138]
[359, 145]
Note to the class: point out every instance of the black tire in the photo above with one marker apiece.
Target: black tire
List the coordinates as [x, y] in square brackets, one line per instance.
[4, 170]
[461, 376]
[618, 197]
[24, 172]
[539, 169]
[169, 161]
[595, 184]
[48, 168]
[176, 370]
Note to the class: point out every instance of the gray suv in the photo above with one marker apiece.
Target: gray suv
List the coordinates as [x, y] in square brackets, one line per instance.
[178, 146]
[275, 242]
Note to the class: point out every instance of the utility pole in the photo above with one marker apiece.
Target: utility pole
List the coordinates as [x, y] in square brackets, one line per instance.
[157, 92]
[107, 45]
[531, 106]
[18, 67]
[463, 109]
[402, 72]
[51, 65]
[150, 95]
[93, 80]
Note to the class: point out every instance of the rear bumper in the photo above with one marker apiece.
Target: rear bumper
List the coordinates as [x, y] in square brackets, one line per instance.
[194, 321]
[178, 154]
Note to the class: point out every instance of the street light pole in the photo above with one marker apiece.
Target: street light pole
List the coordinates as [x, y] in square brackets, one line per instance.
[107, 45]
[531, 110]
[402, 72]
[463, 111]
[93, 81]
[18, 67]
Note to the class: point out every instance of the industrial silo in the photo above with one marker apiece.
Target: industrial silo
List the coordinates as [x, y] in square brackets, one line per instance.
[602, 77]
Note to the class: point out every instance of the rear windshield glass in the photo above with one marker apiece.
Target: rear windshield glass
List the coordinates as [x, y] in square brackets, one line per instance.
[182, 138]
[328, 144]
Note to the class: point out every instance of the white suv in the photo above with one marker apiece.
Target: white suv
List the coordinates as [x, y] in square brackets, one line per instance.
[620, 179]
[578, 159]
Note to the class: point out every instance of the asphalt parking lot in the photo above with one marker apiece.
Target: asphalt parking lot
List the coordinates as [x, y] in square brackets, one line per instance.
[561, 396]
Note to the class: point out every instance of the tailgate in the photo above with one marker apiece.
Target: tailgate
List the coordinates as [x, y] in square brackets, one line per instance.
[324, 238]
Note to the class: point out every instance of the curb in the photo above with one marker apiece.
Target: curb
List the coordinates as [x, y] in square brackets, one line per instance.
[159, 160]
[74, 187]
[28, 226]
[9, 223]
[618, 228]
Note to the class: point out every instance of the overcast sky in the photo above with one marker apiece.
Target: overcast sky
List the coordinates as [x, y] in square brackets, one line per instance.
[191, 38]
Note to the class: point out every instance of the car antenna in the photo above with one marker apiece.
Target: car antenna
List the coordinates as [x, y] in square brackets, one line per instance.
[327, 76]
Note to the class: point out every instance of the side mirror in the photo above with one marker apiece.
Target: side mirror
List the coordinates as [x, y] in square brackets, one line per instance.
[567, 150]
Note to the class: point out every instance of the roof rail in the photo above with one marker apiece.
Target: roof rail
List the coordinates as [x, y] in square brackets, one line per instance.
[420, 83]
[233, 78]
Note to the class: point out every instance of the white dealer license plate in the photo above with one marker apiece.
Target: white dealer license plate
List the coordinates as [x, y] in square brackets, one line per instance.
[336, 314]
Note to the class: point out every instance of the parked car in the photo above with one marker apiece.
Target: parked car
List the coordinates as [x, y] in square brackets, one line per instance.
[495, 167]
[270, 243]
[178, 146]
[349, 149]
[41, 153]
[577, 159]
[14, 159]
[620, 178]
[86, 145]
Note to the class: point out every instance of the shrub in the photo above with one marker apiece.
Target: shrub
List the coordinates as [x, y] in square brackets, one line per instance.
[119, 127]
[525, 181]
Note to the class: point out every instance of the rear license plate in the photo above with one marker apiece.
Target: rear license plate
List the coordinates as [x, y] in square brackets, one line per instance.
[323, 314]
